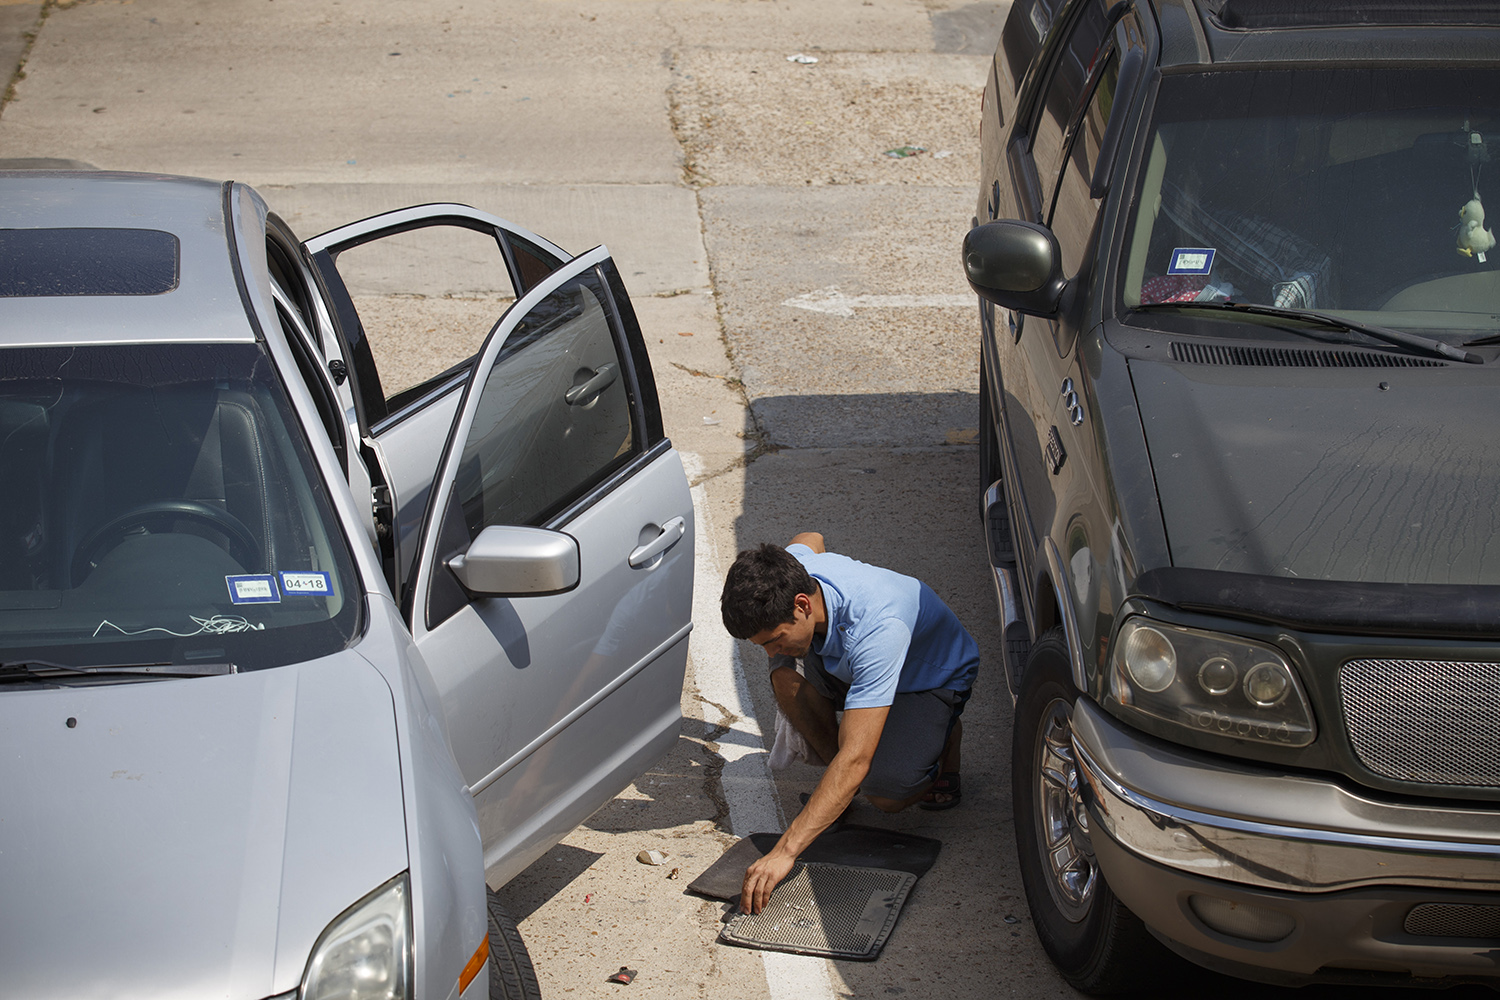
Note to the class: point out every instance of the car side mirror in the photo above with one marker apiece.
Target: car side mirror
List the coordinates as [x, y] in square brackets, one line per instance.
[513, 561]
[1016, 265]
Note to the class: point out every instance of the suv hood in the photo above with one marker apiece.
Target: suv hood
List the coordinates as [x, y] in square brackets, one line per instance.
[1321, 474]
[191, 838]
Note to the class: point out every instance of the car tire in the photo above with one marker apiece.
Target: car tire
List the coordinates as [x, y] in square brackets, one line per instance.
[989, 439]
[512, 976]
[1098, 945]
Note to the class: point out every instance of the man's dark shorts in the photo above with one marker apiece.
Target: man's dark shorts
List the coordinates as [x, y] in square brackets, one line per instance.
[916, 730]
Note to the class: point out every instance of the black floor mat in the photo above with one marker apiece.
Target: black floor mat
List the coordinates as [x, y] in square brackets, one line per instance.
[836, 911]
[846, 844]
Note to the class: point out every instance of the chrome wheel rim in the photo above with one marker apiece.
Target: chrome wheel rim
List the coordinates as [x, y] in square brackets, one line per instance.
[1062, 822]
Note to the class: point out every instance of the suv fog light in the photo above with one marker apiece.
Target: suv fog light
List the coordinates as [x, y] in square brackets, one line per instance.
[1267, 683]
[1242, 920]
[1150, 659]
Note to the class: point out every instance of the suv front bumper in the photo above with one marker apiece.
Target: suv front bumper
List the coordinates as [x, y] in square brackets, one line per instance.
[1287, 878]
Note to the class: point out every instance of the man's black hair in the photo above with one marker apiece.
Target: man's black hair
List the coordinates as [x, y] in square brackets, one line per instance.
[760, 590]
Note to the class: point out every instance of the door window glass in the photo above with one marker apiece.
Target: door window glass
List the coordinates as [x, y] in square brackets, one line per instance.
[1064, 89]
[426, 299]
[554, 416]
[1074, 209]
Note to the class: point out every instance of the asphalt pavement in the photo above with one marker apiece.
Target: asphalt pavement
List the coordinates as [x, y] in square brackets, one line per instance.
[797, 277]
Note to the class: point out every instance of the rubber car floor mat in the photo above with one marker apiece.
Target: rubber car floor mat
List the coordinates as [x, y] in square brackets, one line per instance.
[835, 911]
[846, 844]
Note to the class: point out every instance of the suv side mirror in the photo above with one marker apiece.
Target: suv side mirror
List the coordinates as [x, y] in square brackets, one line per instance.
[513, 560]
[1016, 265]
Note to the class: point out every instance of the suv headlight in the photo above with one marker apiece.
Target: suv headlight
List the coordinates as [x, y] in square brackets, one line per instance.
[1214, 685]
[366, 953]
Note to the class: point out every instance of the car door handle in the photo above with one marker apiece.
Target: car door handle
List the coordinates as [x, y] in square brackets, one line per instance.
[671, 533]
[604, 376]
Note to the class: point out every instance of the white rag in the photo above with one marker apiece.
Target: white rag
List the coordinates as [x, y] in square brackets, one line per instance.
[789, 745]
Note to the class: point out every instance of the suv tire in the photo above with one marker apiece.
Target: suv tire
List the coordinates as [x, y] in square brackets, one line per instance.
[1098, 945]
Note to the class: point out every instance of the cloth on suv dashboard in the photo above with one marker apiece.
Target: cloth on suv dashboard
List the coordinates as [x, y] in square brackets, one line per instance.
[1297, 270]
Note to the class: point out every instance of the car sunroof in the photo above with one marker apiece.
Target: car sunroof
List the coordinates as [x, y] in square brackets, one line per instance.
[49, 262]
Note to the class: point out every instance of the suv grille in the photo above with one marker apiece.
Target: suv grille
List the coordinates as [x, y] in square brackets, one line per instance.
[1433, 721]
[1291, 357]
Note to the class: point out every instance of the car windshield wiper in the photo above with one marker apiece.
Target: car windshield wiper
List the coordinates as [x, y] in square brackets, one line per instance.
[1399, 337]
[45, 669]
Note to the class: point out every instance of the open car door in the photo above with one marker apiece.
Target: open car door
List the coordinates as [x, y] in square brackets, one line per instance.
[551, 587]
[411, 295]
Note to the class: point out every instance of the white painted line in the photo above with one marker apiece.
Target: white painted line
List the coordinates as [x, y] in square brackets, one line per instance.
[748, 786]
[831, 300]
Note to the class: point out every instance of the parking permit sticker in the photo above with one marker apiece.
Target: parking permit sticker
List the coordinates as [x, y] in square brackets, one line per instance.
[309, 582]
[1191, 260]
[256, 589]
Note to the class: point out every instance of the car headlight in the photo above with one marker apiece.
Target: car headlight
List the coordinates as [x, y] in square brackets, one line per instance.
[366, 953]
[1215, 685]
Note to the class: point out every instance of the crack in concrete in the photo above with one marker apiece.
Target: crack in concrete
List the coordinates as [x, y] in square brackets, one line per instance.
[693, 178]
[30, 35]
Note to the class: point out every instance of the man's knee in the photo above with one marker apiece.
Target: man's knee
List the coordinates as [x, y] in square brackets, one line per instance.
[786, 682]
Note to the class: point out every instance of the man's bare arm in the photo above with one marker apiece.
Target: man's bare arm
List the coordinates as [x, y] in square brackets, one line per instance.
[859, 735]
[811, 539]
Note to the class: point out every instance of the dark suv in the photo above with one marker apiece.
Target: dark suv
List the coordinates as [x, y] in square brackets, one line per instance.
[1240, 452]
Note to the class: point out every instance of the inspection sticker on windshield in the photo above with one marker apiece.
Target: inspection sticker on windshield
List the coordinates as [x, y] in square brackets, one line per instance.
[253, 589]
[306, 582]
[1191, 260]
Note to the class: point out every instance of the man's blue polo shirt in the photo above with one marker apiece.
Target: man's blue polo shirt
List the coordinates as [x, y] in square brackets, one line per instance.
[887, 633]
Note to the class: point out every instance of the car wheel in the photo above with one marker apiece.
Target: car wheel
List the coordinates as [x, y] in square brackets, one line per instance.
[1096, 943]
[512, 976]
[989, 440]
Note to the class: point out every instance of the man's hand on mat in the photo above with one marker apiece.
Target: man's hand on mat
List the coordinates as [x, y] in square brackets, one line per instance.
[763, 876]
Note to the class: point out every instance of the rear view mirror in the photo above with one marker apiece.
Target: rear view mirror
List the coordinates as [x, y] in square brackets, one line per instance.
[1016, 265]
[510, 560]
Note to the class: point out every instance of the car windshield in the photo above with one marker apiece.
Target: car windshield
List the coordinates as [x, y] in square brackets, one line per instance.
[159, 505]
[1360, 192]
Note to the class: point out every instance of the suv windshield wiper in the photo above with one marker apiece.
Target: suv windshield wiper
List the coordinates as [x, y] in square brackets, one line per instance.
[1398, 337]
[45, 669]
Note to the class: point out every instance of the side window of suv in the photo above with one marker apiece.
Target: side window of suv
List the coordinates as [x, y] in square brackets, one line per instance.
[1073, 207]
[1070, 73]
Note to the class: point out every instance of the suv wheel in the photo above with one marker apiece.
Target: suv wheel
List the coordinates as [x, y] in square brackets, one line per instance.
[1097, 944]
[512, 976]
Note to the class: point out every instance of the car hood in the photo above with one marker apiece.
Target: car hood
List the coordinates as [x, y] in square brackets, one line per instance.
[191, 838]
[1323, 474]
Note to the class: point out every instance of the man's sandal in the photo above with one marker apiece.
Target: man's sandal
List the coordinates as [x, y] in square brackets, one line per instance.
[947, 784]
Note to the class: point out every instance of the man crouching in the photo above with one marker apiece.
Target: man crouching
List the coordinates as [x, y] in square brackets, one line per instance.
[881, 647]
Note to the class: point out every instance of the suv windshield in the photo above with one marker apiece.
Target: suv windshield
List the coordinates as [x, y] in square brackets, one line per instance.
[158, 504]
[1358, 192]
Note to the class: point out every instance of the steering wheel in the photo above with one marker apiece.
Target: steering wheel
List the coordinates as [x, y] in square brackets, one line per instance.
[242, 543]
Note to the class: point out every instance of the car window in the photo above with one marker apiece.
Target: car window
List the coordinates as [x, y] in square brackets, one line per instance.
[1064, 90]
[554, 416]
[426, 299]
[160, 505]
[1360, 191]
[1074, 209]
